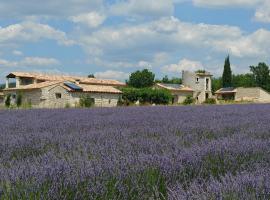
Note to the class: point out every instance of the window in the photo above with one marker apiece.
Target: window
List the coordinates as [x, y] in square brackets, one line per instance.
[206, 96]
[207, 84]
[58, 95]
[110, 101]
[197, 80]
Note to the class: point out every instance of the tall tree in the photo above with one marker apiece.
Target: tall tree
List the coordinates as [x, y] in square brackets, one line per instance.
[141, 79]
[227, 73]
[91, 76]
[261, 75]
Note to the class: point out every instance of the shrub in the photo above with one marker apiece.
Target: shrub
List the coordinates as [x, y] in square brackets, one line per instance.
[210, 101]
[19, 100]
[67, 105]
[130, 94]
[86, 101]
[8, 101]
[189, 100]
[27, 105]
[146, 96]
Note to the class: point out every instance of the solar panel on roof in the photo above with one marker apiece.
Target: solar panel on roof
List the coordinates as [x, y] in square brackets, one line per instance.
[175, 86]
[228, 89]
[73, 86]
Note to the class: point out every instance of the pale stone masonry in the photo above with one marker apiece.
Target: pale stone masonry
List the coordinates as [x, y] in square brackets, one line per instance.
[200, 83]
[51, 91]
[251, 94]
[195, 84]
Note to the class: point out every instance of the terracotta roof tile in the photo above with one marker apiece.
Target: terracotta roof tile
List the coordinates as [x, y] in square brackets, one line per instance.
[34, 86]
[49, 77]
[99, 89]
[174, 87]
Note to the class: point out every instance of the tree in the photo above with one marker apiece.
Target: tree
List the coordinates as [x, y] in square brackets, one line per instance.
[91, 76]
[173, 80]
[227, 74]
[141, 79]
[261, 75]
[243, 80]
[19, 100]
[165, 79]
[216, 84]
[8, 101]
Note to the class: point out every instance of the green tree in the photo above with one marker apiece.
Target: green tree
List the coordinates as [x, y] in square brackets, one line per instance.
[173, 80]
[141, 79]
[227, 74]
[165, 79]
[19, 100]
[91, 76]
[261, 75]
[216, 84]
[243, 80]
[8, 101]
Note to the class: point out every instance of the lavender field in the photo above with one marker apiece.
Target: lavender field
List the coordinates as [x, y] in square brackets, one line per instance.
[203, 152]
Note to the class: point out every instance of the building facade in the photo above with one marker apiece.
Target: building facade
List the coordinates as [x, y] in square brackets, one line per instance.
[195, 84]
[50, 91]
[252, 94]
[200, 83]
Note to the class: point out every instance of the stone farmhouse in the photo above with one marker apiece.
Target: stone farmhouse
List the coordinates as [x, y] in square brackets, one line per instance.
[254, 94]
[195, 84]
[56, 91]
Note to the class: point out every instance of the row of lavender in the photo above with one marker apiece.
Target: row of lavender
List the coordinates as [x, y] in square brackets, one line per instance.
[215, 152]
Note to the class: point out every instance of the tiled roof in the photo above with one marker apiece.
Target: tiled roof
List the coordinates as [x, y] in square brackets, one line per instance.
[34, 86]
[226, 90]
[99, 89]
[174, 87]
[85, 88]
[49, 77]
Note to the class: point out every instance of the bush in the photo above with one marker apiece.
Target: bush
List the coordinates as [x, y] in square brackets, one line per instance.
[189, 100]
[86, 101]
[130, 95]
[8, 101]
[210, 101]
[146, 96]
[19, 100]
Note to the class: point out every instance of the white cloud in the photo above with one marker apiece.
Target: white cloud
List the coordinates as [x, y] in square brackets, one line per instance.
[32, 32]
[119, 64]
[116, 75]
[30, 62]
[263, 12]
[33, 9]
[157, 43]
[17, 53]
[92, 19]
[143, 8]
[227, 3]
[183, 64]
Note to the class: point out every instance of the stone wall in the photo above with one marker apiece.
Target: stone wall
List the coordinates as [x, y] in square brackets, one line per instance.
[181, 96]
[198, 84]
[29, 97]
[247, 94]
[264, 96]
[58, 97]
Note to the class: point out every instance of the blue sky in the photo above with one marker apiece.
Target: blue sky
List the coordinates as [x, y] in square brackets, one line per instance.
[115, 37]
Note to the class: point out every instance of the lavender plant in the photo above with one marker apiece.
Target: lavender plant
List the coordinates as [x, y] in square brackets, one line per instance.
[207, 152]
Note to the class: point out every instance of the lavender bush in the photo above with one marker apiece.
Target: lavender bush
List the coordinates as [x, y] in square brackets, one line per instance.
[207, 152]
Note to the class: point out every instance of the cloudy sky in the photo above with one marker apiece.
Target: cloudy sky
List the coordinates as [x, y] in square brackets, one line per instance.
[111, 38]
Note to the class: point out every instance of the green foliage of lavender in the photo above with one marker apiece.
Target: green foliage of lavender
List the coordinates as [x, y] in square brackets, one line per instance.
[213, 152]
